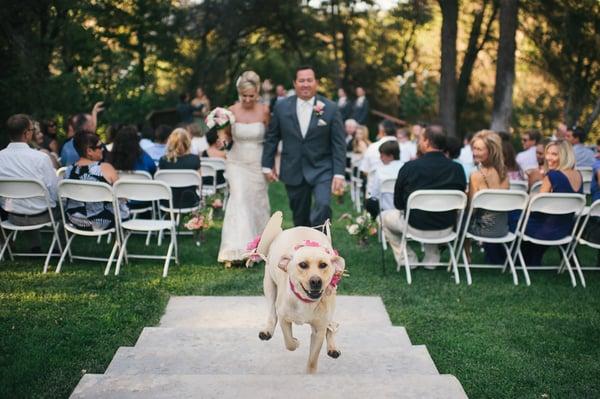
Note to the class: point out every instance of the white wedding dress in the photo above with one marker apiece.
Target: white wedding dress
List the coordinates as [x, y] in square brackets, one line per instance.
[248, 208]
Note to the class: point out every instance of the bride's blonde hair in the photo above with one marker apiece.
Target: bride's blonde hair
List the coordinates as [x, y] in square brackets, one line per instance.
[247, 80]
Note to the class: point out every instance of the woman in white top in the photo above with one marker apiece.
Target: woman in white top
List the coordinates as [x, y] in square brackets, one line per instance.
[248, 208]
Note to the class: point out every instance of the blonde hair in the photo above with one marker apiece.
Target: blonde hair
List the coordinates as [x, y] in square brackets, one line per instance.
[364, 131]
[493, 143]
[566, 155]
[178, 144]
[247, 80]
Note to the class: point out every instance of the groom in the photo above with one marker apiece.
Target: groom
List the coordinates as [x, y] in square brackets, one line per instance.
[314, 149]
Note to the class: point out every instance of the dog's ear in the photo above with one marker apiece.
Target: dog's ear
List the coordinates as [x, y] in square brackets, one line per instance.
[339, 263]
[284, 261]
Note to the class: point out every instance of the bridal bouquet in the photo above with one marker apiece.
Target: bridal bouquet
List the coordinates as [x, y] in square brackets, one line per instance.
[361, 226]
[219, 117]
[199, 221]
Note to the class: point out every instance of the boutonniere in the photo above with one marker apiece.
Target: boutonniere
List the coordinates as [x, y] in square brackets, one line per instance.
[319, 108]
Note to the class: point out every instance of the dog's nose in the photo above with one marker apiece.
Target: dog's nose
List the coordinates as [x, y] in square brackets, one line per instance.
[315, 283]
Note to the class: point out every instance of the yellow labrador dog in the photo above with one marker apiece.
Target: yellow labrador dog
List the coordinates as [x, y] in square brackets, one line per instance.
[301, 274]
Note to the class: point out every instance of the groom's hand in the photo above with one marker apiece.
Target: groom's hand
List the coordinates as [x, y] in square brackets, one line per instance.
[337, 185]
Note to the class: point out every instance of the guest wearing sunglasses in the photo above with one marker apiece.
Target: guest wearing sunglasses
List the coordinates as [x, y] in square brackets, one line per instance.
[89, 167]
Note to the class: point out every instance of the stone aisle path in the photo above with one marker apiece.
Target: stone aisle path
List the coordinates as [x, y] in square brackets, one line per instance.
[208, 347]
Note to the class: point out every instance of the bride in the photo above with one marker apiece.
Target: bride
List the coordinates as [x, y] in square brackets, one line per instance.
[248, 208]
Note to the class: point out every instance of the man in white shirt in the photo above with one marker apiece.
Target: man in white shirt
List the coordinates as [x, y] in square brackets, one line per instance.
[526, 158]
[371, 159]
[408, 149]
[389, 153]
[18, 160]
[584, 157]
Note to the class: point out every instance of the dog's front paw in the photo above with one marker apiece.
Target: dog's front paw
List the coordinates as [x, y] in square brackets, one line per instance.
[264, 335]
[292, 345]
[334, 353]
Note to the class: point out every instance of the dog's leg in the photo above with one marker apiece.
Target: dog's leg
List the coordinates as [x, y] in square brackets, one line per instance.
[316, 343]
[332, 349]
[291, 343]
[270, 290]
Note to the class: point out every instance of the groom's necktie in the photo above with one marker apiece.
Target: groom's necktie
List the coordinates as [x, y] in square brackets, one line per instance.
[304, 113]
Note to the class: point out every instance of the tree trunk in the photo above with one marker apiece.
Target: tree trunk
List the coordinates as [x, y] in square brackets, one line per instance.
[505, 67]
[448, 73]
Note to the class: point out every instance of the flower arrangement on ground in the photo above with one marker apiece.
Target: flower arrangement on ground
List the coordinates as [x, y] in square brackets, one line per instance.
[361, 226]
[203, 219]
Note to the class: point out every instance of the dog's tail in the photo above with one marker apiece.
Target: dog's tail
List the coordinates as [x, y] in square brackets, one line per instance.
[272, 230]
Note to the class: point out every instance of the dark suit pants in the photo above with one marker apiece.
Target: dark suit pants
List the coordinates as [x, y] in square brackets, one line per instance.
[300, 198]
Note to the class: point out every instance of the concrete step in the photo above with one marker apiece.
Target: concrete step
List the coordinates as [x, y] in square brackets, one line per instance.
[268, 387]
[271, 358]
[347, 338]
[245, 311]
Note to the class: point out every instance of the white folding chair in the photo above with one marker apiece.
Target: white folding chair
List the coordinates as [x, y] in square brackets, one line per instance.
[86, 191]
[356, 185]
[14, 188]
[213, 166]
[139, 190]
[177, 178]
[60, 172]
[433, 201]
[593, 211]
[385, 187]
[495, 201]
[519, 185]
[535, 188]
[139, 175]
[586, 175]
[552, 204]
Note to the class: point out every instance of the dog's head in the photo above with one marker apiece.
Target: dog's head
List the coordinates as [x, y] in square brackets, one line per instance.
[311, 269]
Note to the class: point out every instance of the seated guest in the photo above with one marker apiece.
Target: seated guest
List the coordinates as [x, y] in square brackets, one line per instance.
[371, 160]
[390, 157]
[89, 167]
[127, 154]
[592, 231]
[350, 126]
[535, 175]
[159, 146]
[526, 158]
[513, 169]
[86, 122]
[453, 151]
[361, 140]
[178, 156]
[433, 171]
[49, 132]
[561, 177]
[214, 150]
[199, 142]
[408, 149]
[584, 157]
[147, 135]
[215, 145]
[20, 161]
[490, 174]
[37, 143]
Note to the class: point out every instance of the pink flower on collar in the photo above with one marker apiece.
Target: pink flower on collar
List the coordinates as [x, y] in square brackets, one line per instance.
[253, 244]
[319, 108]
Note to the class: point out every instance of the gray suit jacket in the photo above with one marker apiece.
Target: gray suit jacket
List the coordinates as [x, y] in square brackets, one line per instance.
[316, 157]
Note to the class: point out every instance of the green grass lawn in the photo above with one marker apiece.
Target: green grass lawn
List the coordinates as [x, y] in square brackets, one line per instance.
[499, 340]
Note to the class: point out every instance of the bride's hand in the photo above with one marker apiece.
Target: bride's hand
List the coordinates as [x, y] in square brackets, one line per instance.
[271, 176]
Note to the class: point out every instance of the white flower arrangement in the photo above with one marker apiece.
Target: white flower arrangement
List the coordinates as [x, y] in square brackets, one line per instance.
[352, 229]
[219, 117]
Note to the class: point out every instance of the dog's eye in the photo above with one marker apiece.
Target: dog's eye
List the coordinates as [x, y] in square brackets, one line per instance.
[322, 265]
[303, 265]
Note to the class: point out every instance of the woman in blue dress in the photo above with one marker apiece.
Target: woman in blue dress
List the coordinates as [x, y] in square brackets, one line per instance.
[561, 177]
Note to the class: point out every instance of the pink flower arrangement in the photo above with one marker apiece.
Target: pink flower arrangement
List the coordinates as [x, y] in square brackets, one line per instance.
[319, 108]
[217, 203]
[219, 117]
